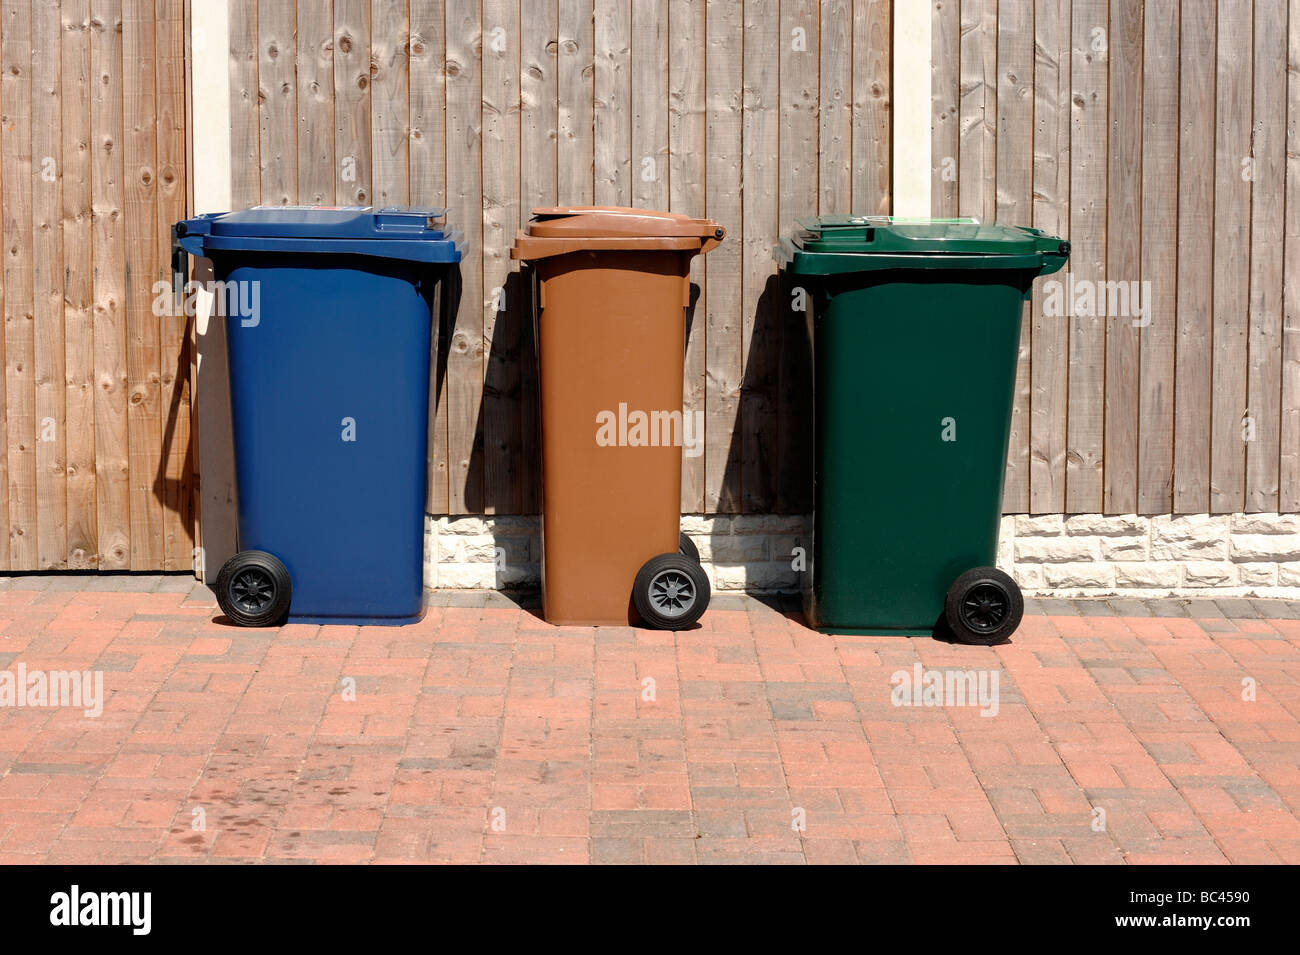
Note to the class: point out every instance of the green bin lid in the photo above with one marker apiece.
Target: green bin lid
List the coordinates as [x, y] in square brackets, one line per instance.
[833, 244]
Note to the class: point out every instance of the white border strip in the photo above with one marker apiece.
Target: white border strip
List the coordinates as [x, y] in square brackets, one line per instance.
[912, 106]
[210, 177]
[210, 68]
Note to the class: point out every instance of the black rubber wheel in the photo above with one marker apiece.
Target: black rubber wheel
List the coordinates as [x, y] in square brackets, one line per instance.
[254, 589]
[686, 547]
[984, 606]
[671, 592]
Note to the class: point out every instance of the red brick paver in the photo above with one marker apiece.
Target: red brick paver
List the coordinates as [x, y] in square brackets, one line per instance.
[486, 735]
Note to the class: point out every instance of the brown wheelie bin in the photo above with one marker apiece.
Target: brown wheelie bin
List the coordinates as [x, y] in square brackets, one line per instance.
[611, 290]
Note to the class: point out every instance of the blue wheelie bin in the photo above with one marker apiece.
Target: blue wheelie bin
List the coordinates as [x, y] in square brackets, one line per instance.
[328, 323]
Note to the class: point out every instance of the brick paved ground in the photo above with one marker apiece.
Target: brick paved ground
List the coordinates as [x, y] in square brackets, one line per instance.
[484, 734]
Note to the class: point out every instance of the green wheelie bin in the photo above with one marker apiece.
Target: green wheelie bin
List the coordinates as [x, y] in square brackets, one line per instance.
[916, 331]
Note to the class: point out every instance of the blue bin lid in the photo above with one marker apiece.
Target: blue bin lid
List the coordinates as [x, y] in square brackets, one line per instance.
[415, 234]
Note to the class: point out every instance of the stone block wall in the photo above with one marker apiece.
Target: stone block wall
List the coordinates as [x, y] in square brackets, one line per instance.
[1062, 555]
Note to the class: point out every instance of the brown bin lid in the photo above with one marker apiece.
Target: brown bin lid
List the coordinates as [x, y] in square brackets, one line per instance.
[557, 230]
[615, 221]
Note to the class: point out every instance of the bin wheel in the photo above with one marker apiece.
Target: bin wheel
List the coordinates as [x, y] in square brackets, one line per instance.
[984, 606]
[254, 589]
[671, 592]
[686, 547]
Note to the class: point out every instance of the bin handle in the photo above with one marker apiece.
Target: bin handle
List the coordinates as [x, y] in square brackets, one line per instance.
[783, 252]
[180, 260]
[712, 236]
[1054, 257]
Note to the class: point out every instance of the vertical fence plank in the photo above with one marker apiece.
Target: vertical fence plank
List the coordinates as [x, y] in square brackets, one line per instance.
[174, 474]
[502, 314]
[872, 134]
[835, 100]
[538, 187]
[1014, 165]
[189, 29]
[1231, 258]
[687, 144]
[390, 103]
[47, 254]
[945, 60]
[577, 106]
[9, 180]
[352, 146]
[798, 178]
[78, 289]
[724, 360]
[1268, 198]
[464, 193]
[1159, 257]
[1123, 258]
[539, 105]
[649, 71]
[19, 305]
[1289, 496]
[1089, 32]
[762, 305]
[613, 103]
[277, 84]
[428, 105]
[316, 102]
[143, 268]
[429, 188]
[106, 119]
[977, 156]
[1193, 354]
[1049, 338]
[245, 129]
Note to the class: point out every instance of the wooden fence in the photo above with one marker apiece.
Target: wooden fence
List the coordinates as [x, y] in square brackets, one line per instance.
[1162, 138]
[492, 107]
[98, 465]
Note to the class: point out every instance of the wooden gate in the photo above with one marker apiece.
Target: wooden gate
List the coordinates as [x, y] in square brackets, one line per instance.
[97, 471]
